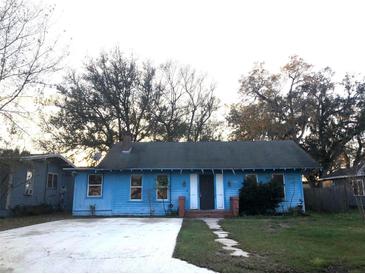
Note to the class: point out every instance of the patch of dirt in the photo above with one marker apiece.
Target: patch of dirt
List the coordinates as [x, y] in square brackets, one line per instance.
[33, 233]
[6, 269]
[274, 227]
[337, 269]
[86, 220]
[151, 220]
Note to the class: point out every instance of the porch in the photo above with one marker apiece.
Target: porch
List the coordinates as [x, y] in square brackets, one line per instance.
[212, 213]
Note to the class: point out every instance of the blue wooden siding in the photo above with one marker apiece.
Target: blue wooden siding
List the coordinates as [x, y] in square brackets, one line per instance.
[116, 195]
[116, 192]
[41, 193]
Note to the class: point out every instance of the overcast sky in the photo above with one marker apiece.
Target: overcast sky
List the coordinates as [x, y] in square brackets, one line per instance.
[221, 38]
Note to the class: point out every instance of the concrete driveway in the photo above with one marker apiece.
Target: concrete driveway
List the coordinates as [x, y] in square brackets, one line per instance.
[94, 245]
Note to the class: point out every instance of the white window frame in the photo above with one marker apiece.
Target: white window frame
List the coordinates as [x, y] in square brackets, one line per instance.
[272, 176]
[29, 191]
[257, 181]
[168, 188]
[130, 188]
[101, 186]
[53, 174]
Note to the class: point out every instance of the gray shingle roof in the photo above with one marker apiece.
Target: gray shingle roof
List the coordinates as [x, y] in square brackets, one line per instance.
[209, 155]
[355, 171]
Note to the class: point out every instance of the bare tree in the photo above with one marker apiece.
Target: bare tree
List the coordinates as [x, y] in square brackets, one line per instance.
[171, 109]
[26, 53]
[201, 103]
[186, 105]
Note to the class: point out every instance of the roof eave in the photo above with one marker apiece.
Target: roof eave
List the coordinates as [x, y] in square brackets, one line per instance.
[48, 156]
[188, 169]
[341, 177]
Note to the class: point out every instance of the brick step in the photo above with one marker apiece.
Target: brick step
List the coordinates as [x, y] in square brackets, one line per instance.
[208, 214]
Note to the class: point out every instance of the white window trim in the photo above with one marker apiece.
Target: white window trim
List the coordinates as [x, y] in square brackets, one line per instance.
[130, 188]
[257, 178]
[52, 173]
[284, 183]
[168, 188]
[88, 186]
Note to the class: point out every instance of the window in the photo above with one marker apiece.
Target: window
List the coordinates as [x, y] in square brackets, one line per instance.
[358, 187]
[95, 185]
[278, 181]
[251, 178]
[29, 183]
[136, 187]
[162, 187]
[52, 180]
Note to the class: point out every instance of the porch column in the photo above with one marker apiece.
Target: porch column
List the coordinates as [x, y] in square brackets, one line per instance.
[235, 206]
[181, 206]
[193, 191]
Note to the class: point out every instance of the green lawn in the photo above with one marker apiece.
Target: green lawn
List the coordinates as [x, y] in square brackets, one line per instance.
[316, 243]
[195, 244]
[14, 222]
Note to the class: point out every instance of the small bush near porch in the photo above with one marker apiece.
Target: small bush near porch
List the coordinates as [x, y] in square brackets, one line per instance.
[315, 243]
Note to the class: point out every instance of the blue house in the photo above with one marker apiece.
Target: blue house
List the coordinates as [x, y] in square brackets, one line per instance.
[33, 180]
[150, 178]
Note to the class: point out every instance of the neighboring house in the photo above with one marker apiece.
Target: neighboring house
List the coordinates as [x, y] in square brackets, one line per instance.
[351, 179]
[148, 178]
[36, 179]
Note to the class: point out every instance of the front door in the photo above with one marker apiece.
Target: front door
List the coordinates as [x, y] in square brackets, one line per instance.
[206, 187]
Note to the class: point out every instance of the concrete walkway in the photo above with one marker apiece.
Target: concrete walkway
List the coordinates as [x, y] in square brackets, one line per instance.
[228, 244]
[94, 245]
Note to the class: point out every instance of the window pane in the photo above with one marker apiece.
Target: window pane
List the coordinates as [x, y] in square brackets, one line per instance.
[162, 193]
[136, 180]
[55, 178]
[251, 178]
[360, 188]
[162, 181]
[278, 181]
[95, 179]
[136, 193]
[355, 188]
[49, 181]
[94, 190]
[278, 178]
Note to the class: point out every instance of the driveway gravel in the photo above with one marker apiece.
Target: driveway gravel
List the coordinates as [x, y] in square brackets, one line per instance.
[94, 245]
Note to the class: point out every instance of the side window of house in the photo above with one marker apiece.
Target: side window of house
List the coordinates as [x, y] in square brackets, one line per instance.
[358, 187]
[52, 180]
[136, 187]
[162, 187]
[95, 185]
[278, 180]
[29, 183]
[251, 178]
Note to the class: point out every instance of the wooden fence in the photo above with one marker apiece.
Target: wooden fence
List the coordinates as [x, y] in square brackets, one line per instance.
[329, 199]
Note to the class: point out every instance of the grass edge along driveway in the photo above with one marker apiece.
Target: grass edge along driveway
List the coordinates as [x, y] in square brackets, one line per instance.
[14, 222]
[315, 243]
